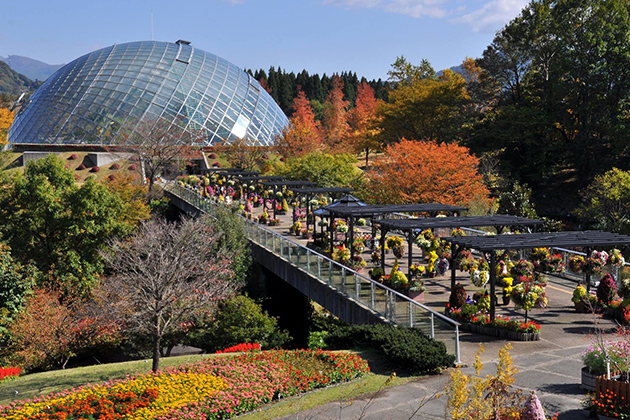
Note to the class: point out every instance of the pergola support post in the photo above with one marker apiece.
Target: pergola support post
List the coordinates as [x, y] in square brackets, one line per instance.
[493, 276]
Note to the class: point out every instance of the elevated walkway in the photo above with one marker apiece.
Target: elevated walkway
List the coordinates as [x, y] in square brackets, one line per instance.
[347, 294]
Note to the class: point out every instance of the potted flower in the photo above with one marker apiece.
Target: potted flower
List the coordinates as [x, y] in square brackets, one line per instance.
[479, 277]
[616, 258]
[376, 274]
[341, 254]
[553, 264]
[397, 279]
[528, 295]
[457, 297]
[358, 244]
[341, 226]
[296, 227]
[606, 290]
[356, 263]
[507, 289]
[274, 222]
[597, 356]
[431, 269]
[441, 266]
[575, 263]
[376, 256]
[580, 298]
[416, 271]
[264, 217]
[416, 289]
[395, 243]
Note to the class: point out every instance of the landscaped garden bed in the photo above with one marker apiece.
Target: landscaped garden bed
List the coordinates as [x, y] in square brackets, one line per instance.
[220, 387]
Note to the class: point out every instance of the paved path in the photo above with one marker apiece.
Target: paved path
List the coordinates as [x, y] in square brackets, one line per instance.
[551, 366]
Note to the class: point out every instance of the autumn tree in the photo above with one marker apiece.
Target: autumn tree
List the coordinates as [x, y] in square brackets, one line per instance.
[6, 119]
[167, 275]
[426, 108]
[364, 119]
[49, 331]
[335, 122]
[160, 145]
[241, 154]
[426, 172]
[304, 133]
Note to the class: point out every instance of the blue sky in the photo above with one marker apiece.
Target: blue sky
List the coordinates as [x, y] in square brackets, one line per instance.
[321, 36]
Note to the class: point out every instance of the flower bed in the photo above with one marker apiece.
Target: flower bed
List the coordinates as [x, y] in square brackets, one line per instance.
[8, 372]
[213, 388]
[240, 348]
[497, 327]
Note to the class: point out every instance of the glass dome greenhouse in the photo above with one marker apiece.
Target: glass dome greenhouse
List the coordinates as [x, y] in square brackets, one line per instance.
[96, 98]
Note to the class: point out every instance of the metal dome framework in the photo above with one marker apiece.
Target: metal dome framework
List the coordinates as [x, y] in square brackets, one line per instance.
[97, 98]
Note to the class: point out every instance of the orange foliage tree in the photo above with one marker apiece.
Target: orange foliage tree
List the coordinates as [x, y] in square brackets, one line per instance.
[426, 172]
[363, 120]
[48, 332]
[6, 119]
[303, 135]
[335, 122]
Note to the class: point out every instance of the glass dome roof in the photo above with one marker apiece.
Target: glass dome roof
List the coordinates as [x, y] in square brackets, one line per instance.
[98, 96]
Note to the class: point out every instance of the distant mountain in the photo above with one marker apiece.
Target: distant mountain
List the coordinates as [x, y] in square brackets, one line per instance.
[33, 69]
[14, 83]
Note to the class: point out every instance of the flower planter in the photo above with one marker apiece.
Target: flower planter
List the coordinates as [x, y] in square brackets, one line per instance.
[589, 380]
[580, 307]
[417, 295]
[498, 332]
[506, 300]
[619, 388]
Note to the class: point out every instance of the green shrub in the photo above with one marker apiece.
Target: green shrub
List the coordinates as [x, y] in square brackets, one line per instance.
[406, 348]
[242, 320]
[317, 340]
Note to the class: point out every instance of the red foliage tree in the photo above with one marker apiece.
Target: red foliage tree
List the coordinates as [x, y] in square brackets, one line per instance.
[426, 172]
[304, 133]
[335, 122]
[363, 120]
[48, 332]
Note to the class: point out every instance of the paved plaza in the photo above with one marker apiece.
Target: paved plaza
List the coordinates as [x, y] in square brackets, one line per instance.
[551, 366]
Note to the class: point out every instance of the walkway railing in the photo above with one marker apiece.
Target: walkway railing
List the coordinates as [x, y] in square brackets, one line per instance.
[392, 306]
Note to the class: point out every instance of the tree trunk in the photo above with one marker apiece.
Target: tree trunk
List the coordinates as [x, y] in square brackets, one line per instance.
[367, 157]
[156, 353]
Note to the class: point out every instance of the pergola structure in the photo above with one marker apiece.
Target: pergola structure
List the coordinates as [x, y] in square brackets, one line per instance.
[310, 192]
[412, 228]
[371, 211]
[588, 240]
[246, 180]
[282, 183]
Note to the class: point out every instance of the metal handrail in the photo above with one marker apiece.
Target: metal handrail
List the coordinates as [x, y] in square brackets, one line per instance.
[380, 299]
